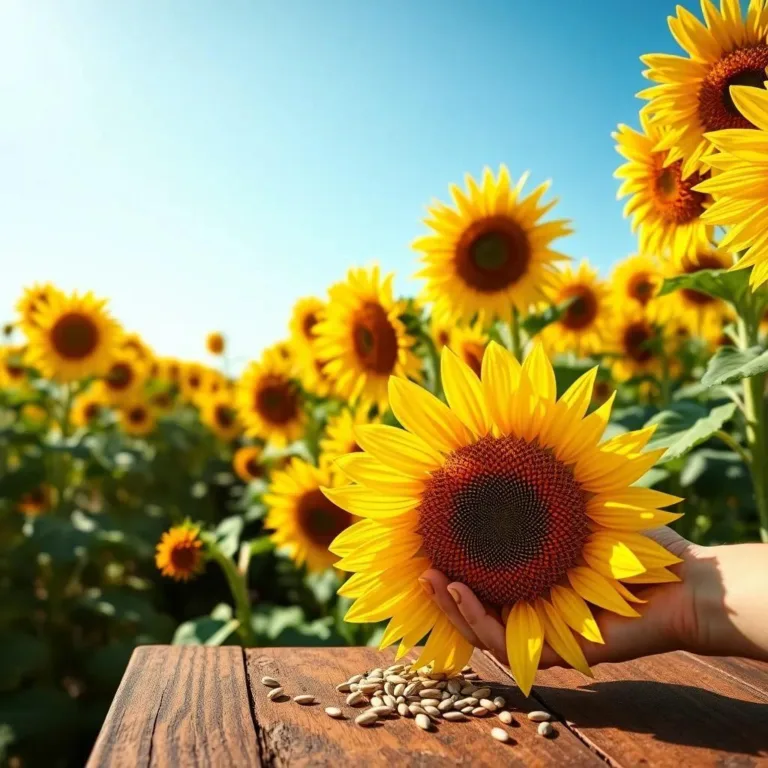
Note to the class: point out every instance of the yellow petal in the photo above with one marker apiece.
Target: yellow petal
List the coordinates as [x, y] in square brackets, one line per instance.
[650, 553]
[524, 641]
[606, 553]
[652, 576]
[398, 449]
[371, 473]
[540, 373]
[599, 590]
[358, 584]
[560, 638]
[464, 393]
[361, 501]
[622, 517]
[385, 552]
[500, 379]
[427, 417]
[575, 613]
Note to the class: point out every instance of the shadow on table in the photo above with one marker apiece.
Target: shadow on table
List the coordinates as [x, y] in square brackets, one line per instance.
[676, 714]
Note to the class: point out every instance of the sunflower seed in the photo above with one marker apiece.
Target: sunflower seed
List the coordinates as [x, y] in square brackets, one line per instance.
[388, 688]
[270, 682]
[355, 698]
[378, 672]
[343, 688]
[368, 687]
[429, 693]
[383, 711]
[482, 693]
[390, 701]
[416, 709]
[433, 711]
[355, 679]
[396, 680]
[467, 710]
[470, 700]
[304, 699]
[454, 686]
[446, 704]
[367, 718]
[354, 686]
[430, 702]
[398, 689]
[333, 712]
[539, 716]
[454, 716]
[275, 693]
[499, 701]
[500, 735]
[545, 729]
[467, 689]
[488, 704]
[400, 700]
[506, 717]
[479, 712]
[403, 711]
[423, 722]
[472, 676]
[411, 688]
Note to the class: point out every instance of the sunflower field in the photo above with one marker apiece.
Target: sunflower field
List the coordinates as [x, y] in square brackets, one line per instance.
[519, 424]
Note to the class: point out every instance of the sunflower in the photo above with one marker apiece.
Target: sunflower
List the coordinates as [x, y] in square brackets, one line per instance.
[124, 379]
[247, 463]
[32, 301]
[469, 344]
[192, 381]
[740, 192]
[137, 418]
[133, 344]
[169, 370]
[13, 374]
[638, 341]
[509, 491]
[302, 517]
[215, 343]
[665, 208]
[363, 338]
[692, 96]
[270, 404]
[219, 414]
[339, 437]
[582, 324]
[282, 349]
[702, 314]
[180, 552]
[310, 370]
[491, 252]
[635, 282]
[162, 400]
[88, 407]
[306, 314]
[37, 501]
[440, 330]
[8, 329]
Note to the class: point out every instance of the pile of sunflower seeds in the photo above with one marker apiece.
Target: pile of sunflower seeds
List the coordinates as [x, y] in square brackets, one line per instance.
[403, 691]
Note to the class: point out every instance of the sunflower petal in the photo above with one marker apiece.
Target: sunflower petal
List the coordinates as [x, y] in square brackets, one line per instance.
[560, 639]
[540, 373]
[371, 473]
[398, 449]
[607, 554]
[599, 590]
[464, 393]
[575, 613]
[524, 641]
[361, 501]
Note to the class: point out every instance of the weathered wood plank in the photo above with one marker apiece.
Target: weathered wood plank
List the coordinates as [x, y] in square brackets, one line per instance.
[294, 735]
[748, 671]
[179, 706]
[667, 710]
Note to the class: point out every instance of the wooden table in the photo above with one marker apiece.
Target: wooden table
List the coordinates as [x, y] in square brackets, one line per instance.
[194, 706]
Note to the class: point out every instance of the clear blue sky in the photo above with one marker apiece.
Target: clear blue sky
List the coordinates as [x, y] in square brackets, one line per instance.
[204, 163]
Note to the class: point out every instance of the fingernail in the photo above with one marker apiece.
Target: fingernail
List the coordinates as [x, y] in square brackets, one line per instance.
[456, 595]
[426, 585]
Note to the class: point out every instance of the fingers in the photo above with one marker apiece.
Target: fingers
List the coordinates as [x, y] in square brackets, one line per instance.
[486, 626]
[435, 584]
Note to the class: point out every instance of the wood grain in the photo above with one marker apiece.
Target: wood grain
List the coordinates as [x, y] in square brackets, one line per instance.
[179, 706]
[293, 735]
[667, 710]
[748, 671]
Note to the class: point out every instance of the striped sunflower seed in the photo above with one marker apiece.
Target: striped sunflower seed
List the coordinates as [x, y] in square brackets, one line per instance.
[355, 698]
[488, 704]
[403, 711]
[430, 693]
[367, 718]
[482, 693]
[430, 702]
[343, 688]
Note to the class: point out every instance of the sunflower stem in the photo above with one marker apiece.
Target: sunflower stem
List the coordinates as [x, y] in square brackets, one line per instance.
[514, 328]
[755, 415]
[734, 446]
[238, 586]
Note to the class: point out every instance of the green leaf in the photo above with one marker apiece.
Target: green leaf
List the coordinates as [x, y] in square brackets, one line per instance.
[730, 364]
[205, 631]
[261, 545]
[714, 473]
[21, 655]
[228, 535]
[536, 323]
[678, 444]
[719, 283]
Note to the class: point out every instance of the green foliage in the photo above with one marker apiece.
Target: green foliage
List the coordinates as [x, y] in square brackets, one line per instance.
[730, 286]
[679, 433]
[730, 365]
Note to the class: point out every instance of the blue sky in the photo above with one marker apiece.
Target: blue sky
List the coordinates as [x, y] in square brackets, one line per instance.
[204, 164]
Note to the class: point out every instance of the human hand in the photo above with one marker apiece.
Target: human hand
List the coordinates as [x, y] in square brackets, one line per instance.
[718, 607]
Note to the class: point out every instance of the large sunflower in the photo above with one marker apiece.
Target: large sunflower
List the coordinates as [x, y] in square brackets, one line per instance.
[32, 301]
[491, 252]
[75, 337]
[666, 210]
[740, 190]
[269, 402]
[635, 282]
[306, 314]
[363, 339]
[509, 491]
[302, 517]
[582, 325]
[693, 96]
[219, 414]
[339, 437]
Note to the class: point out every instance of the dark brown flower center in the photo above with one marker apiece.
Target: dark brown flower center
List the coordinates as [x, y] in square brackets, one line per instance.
[75, 336]
[253, 468]
[309, 322]
[473, 352]
[504, 517]
[320, 519]
[184, 556]
[137, 415]
[641, 287]
[120, 377]
[675, 200]
[745, 66]
[637, 340]
[91, 411]
[493, 254]
[277, 400]
[374, 339]
[224, 416]
[583, 309]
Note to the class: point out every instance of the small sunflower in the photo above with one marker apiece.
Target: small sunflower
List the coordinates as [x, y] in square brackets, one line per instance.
[88, 407]
[302, 517]
[339, 437]
[283, 350]
[307, 313]
[269, 402]
[162, 400]
[219, 414]
[13, 374]
[75, 338]
[491, 252]
[581, 327]
[636, 281]
[665, 208]
[739, 189]
[469, 344]
[8, 329]
[169, 370]
[124, 379]
[440, 329]
[509, 491]
[32, 301]
[215, 343]
[37, 501]
[310, 370]
[193, 379]
[180, 553]
[363, 338]
[634, 337]
[692, 96]
[133, 344]
[247, 463]
[137, 418]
